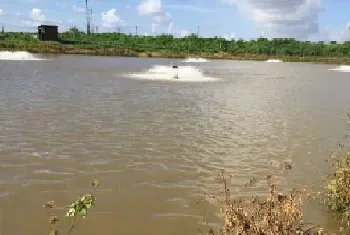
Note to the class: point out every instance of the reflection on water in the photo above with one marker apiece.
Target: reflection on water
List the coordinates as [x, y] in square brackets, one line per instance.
[155, 145]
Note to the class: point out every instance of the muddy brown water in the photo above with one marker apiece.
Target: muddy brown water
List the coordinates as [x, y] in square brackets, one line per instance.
[155, 145]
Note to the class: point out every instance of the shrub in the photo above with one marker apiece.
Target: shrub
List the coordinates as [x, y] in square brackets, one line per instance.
[277, 214]
[337, 196]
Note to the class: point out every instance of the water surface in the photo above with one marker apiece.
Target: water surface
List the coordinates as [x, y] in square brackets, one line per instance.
[155, 145]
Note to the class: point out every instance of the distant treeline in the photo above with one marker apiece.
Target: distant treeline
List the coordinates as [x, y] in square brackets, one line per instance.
[191, 44]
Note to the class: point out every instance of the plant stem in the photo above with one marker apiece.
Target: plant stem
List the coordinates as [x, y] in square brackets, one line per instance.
[73, 225]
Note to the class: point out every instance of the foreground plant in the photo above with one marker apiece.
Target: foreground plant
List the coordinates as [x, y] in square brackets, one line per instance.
[338, 182]
[53, 220]
[277, 214]
[79, 207]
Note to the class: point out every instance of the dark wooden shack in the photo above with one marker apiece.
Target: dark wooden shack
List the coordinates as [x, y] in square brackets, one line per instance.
[48, 32]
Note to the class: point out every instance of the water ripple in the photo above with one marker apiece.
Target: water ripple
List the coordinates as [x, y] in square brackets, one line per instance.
[160, 142]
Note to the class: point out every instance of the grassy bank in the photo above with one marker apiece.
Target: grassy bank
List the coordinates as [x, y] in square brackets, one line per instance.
[63, 49]
[167, 46]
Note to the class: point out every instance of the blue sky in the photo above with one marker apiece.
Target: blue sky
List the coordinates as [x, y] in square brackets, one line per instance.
[302, 19]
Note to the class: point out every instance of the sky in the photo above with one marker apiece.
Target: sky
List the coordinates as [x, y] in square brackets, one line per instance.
[315, 20]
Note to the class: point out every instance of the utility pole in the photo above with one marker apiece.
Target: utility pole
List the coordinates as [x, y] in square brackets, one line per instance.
[198, 31]
[88, 24]
[90, 18]
[3, 29]
[136, 30]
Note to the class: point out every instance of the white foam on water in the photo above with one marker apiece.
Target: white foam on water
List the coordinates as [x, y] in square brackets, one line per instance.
[195, 60]
[17, 55]
[167, 73]
[342, 68]
[51, 172]
[274, 61]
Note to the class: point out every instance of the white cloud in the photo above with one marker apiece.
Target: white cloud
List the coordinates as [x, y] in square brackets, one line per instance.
[231, 2]
[189, 8]
[37, 15]
[170, 28]
[149, 7]
[229, 38]
[78, 9]
[1, 11]
[154, 8]
[283, 18]
[184, 33]
[154, 28]
[162, 17]
[333, 34]
[110, 19]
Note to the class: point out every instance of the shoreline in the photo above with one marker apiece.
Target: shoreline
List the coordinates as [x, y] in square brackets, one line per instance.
[177, 55]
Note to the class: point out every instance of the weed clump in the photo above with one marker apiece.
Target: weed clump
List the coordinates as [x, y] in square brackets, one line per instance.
[276, 214]
[79, 207]
[337, 196]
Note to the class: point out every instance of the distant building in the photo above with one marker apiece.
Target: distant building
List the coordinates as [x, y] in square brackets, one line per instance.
[48, 33]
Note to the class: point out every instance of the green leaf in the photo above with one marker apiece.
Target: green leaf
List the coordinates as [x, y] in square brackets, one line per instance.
[83, 211]
[95, 183]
